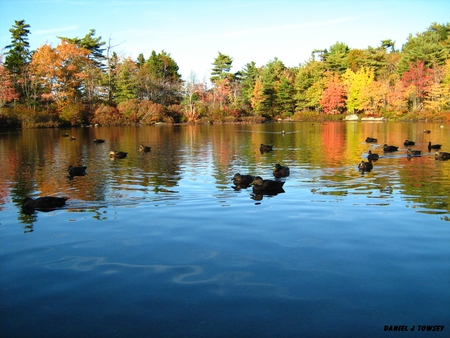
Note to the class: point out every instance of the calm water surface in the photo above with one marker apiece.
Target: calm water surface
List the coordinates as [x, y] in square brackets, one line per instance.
[160, 244]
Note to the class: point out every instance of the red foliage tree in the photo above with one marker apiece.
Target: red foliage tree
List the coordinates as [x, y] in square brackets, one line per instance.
[333, 97]
[418, 79]
[7, 91]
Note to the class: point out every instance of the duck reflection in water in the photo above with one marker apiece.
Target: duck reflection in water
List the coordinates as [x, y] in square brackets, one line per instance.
[242, 181]
[47, 203]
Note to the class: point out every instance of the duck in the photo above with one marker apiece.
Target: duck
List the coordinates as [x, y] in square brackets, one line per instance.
[413, 152]
[434, 146]
[426, 131]
[47, 203]
[99, 140]
[261, 186]
[442, 155]
[365, 166]
[117, 154]
[242, 180]
[77, 171]
[372, 156]
[281, 171]
[144, 149]
[65, 135]
[73, 138]
[388, 149]
[409, 143]
[371, 140]
[265, 148]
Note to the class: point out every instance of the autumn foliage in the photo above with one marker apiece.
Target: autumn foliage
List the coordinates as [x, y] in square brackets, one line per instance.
[76, 83]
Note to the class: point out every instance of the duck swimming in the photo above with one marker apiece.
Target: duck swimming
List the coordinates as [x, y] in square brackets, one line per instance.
[144, 149]
[434, 146]
[409, 143]
[371, 140]
[388, 149]
[372, 156]
[77, 171]
[117, 154]
[47, 203]
[442, 155]
[413, 152]
[99, 140]
[261, 186]
[365, 166]
[242, 181]
[264, 148]
[281, 171]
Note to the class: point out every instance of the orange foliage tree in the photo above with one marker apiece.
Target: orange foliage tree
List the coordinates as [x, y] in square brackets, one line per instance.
[60, 72]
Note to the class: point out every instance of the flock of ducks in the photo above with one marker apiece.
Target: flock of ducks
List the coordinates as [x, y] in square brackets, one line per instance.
[259, 185]
[372, 157]
[50, 203]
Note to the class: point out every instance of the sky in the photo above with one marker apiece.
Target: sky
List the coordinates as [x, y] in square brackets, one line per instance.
[193, 32]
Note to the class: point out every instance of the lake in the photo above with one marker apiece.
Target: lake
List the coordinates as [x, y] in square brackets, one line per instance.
[162, 244]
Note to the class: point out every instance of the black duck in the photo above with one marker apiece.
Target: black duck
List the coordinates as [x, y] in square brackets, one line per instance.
[371, 140]
[264, 148]
[409, 143]
[77, 171]
[434, 146]
[388, 149]
[261, 186]
[365, 166]
[117, 154]
[242, 181]
[99, 140]
[281, 171]
[47, 203]
[372, 156]
[442, 155]
[413, 152]
[144, 149]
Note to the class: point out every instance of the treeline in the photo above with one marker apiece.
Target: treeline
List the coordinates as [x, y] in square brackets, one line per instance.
[83, 81]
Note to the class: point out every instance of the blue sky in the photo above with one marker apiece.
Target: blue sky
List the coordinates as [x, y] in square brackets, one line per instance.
[194, 32]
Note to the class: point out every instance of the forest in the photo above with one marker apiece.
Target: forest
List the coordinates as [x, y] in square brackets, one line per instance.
[82, 81]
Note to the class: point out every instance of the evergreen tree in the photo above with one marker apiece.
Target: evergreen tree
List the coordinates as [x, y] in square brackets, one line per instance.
[336, 60]
[222, 66]
[285, 102]
[431, 47]
[18, 58]
[125, 81]
[92, 44]
[271, 75]
[159, 80]
[248, 77]
[307, 75]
